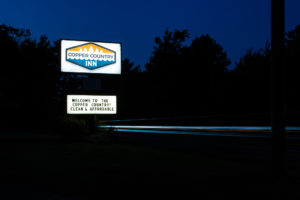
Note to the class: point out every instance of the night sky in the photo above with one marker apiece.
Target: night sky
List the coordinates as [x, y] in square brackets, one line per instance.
[235, 24]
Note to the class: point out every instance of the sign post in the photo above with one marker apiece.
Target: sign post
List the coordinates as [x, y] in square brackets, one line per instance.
[278, 84]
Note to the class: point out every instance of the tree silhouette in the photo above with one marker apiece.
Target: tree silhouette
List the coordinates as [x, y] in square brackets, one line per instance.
[293, 70]
[132, 95]
[29, 75]
[206, 63]
[183, 79]
[250, 82]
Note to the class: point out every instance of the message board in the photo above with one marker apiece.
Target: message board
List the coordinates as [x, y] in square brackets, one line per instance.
[91, 104]
[90, 57]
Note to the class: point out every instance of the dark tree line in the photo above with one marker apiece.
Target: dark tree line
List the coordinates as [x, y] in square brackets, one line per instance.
[179, 80]
[194, 80]
[29, 74]
[32, 87]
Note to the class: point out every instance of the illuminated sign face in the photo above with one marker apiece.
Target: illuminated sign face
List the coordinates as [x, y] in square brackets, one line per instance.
[91, 104]
[90, 57]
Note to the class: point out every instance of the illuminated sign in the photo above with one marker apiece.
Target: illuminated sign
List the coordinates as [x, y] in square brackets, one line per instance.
[90, 57]
[91, 104]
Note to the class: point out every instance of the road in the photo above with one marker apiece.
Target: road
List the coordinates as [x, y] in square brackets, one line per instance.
[292, 132]
[243, 144]
[253, 141]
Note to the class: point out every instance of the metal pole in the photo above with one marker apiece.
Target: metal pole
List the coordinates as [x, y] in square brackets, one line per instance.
[278, 85]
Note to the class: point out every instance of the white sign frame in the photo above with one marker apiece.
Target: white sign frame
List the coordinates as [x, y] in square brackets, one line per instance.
[91, 104]
[113, 65]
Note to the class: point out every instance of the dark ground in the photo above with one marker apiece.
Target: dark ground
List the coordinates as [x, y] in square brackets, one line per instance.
[36, 166]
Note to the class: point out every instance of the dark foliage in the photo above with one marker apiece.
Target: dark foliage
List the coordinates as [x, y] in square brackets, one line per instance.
[250, 83]
[194, 80]
[179, 79]
[29, 75]
[293, 70]
[32, 87]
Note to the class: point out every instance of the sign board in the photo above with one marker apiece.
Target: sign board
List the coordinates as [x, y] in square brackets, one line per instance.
[90, 57]
[91, 104]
